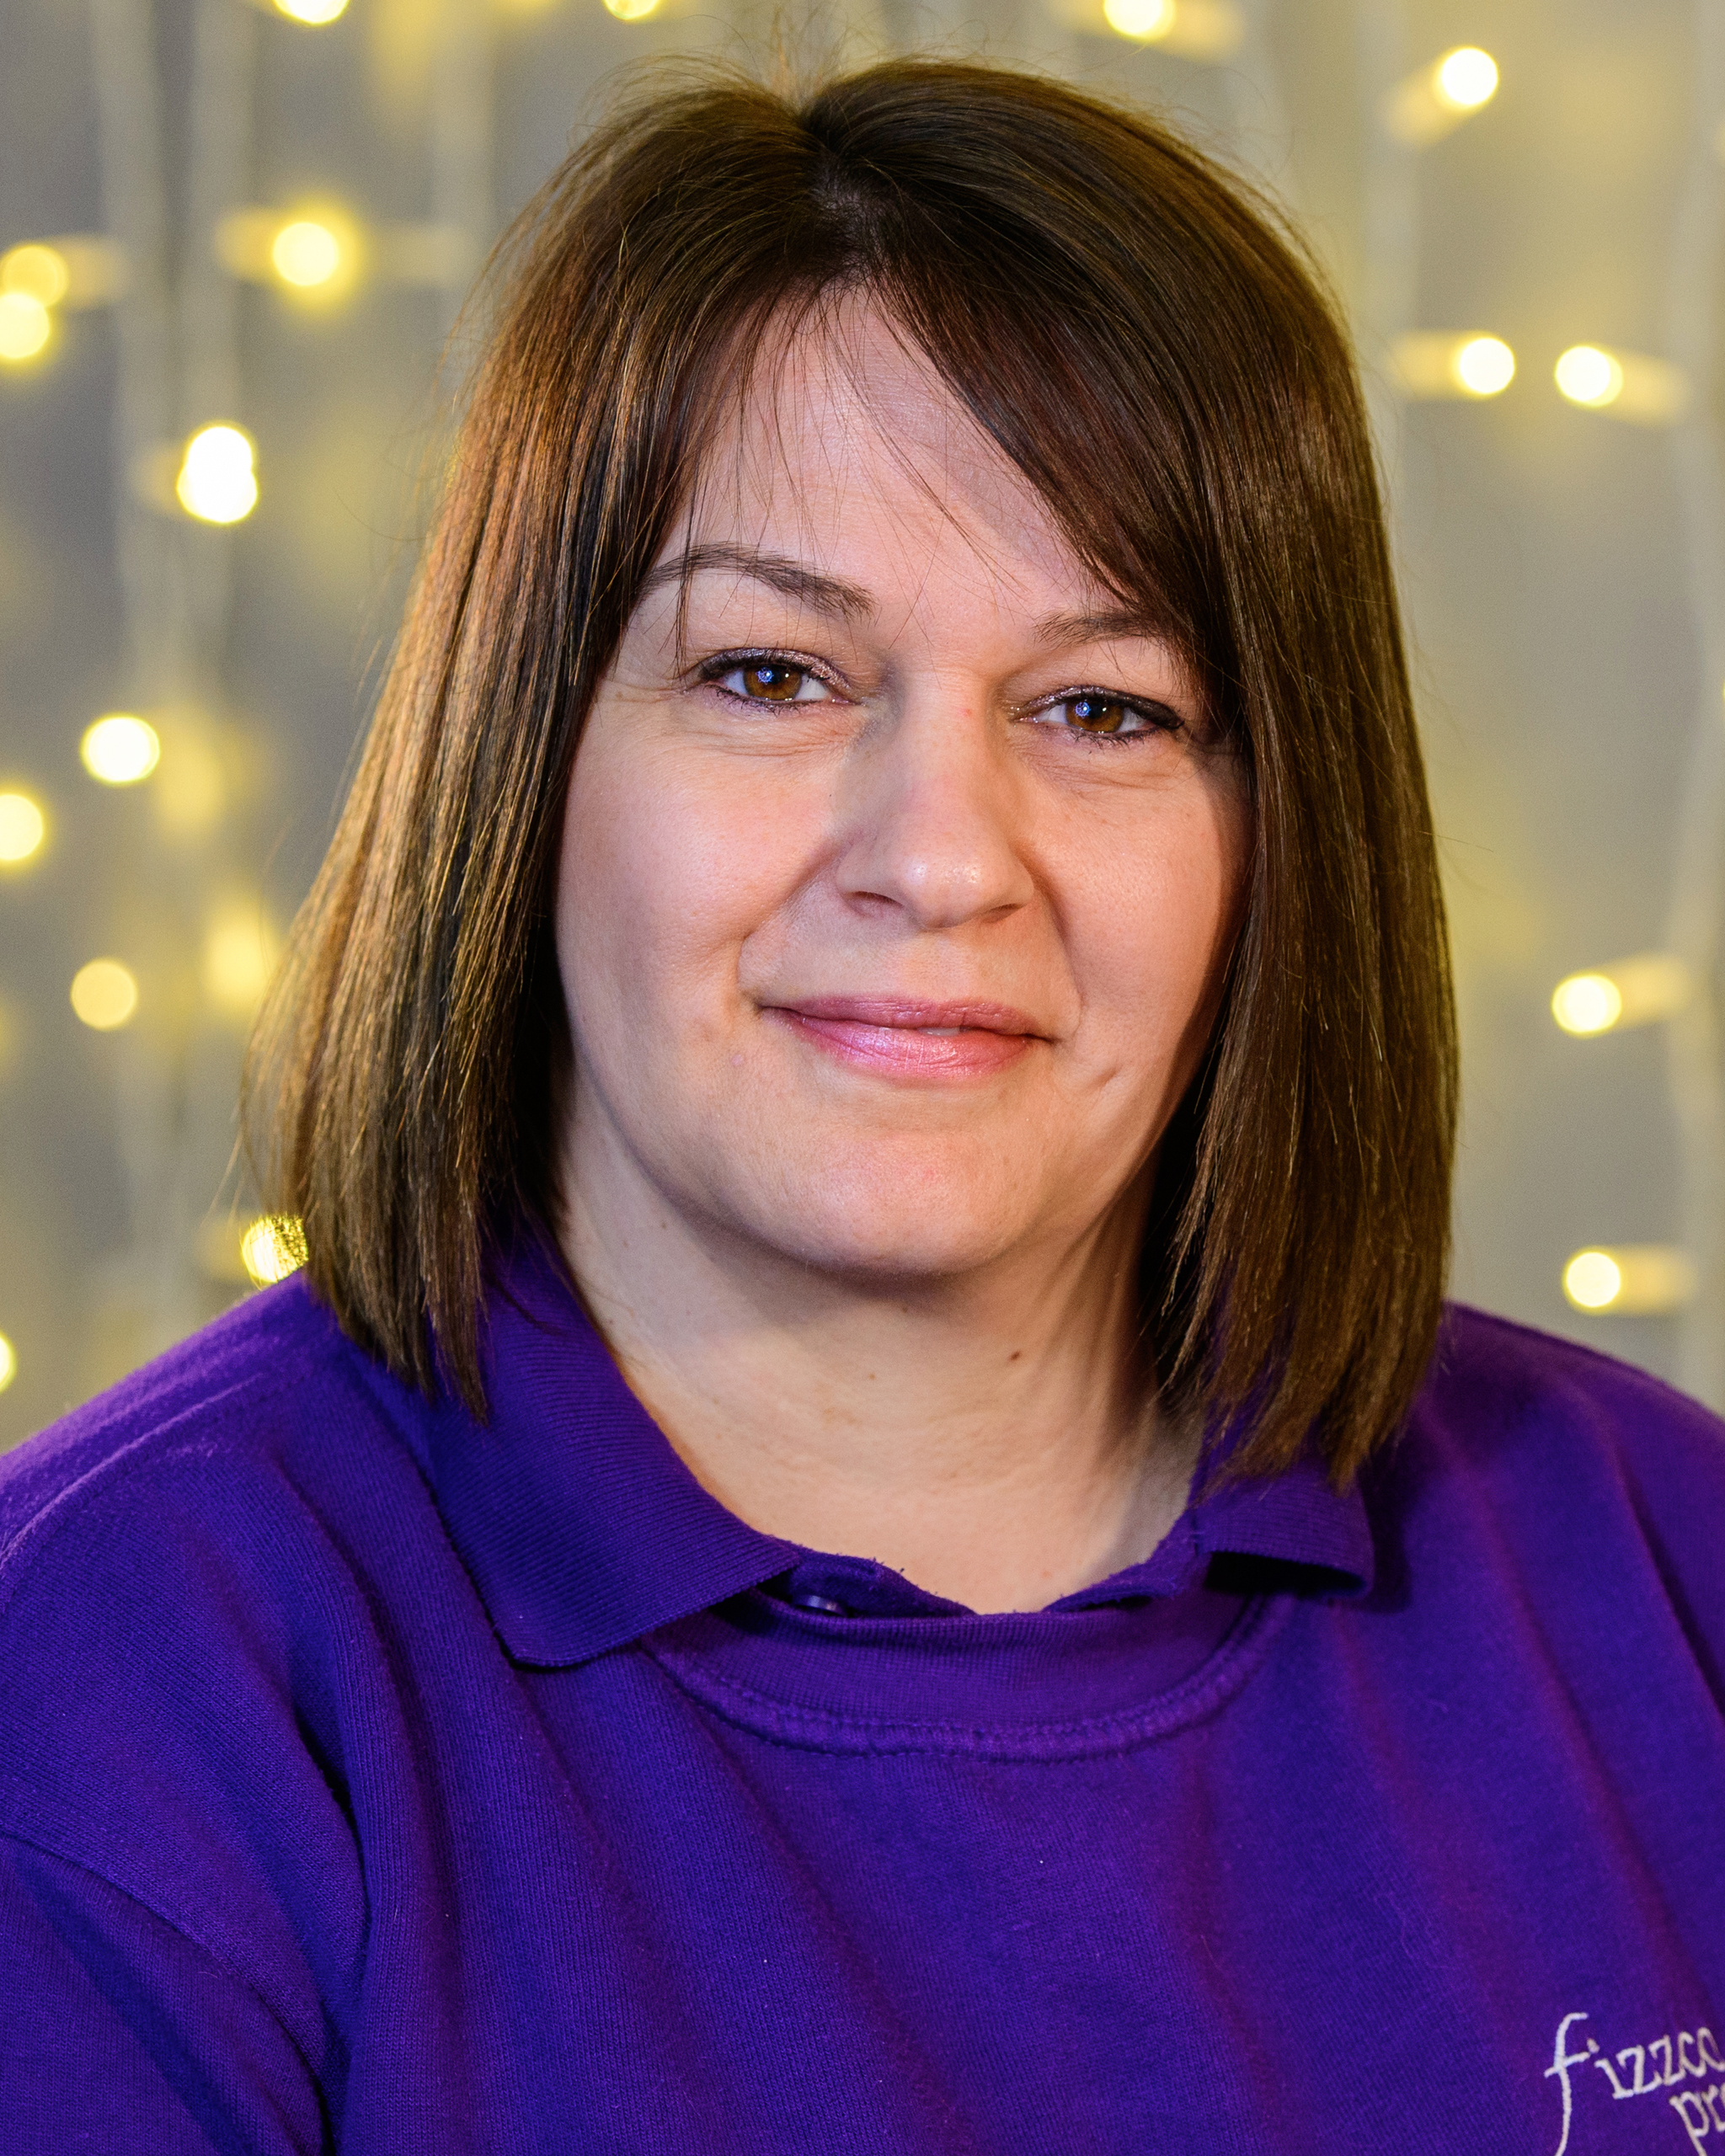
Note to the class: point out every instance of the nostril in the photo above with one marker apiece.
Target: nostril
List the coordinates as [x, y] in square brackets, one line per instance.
[873, 902]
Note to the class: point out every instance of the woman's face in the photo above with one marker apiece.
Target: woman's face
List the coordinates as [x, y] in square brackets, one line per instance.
[896, 882]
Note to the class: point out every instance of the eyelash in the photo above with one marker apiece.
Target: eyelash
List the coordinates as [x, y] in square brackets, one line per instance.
[1161, 720]
[711, 671]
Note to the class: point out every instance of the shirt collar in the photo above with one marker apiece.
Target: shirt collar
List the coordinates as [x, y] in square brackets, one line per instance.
[583, 1530]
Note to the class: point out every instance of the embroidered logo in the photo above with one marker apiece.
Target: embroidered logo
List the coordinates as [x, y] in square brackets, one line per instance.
[1669, 2062]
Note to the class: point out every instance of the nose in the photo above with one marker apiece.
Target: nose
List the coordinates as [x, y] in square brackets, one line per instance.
[931, 816]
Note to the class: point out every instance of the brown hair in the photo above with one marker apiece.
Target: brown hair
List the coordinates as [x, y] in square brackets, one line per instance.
[1137, 337]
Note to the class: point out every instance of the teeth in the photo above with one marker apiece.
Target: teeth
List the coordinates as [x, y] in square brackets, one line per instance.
[939, 1032]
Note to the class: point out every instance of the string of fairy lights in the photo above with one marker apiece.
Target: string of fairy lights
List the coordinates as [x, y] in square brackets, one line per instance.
[1673, 987]
[315, 251]
[180, 994]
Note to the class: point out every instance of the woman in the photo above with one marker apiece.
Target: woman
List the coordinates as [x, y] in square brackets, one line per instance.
[852, 1538]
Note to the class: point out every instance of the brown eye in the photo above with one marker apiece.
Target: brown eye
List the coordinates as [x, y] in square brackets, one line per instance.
[1099, 714]
[769, 680]
[771, 683]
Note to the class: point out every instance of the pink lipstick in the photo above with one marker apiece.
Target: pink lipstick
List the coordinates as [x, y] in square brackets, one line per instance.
[898, 1037]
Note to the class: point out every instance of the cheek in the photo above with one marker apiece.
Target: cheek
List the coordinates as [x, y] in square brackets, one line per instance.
[665, 873]
[1158, 926]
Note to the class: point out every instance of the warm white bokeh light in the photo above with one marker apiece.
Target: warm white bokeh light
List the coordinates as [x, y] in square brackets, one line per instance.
[312, 251]
[305, 254]
[23, 827]
[1587, 1003]
[1438, 96]
[216, 482]
[1593, 1280]
[314, 14]
[1587, 376]
[240, 951]
[1635, 991]
[25, 327]
[1466, 78]
[1485, 366]
[1632, 1280]
[1142, 19]
[40, 272]
[104, 993]
[193, 788]
[272, 1248]
[8, 1361]
[1472, 364]
[1639, 387]
[121, 749]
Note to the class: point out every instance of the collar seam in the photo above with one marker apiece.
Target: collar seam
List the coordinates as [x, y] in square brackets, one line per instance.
[1229, 1666]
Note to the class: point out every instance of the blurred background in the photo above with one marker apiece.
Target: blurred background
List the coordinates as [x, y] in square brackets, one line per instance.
[234, 237]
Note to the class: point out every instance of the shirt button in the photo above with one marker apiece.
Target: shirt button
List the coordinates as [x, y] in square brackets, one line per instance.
[804, 1601]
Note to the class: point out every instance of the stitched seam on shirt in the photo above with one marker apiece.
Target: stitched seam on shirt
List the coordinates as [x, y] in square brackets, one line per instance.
[804, 1727]
[163, 1445]
[45, 1846]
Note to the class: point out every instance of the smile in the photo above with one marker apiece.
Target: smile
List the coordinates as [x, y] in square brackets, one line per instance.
[914, 1042]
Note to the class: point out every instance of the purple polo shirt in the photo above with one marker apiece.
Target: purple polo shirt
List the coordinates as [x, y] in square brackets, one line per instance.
[374, 1780]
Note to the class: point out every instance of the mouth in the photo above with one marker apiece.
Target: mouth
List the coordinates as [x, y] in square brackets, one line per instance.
[902, 1037]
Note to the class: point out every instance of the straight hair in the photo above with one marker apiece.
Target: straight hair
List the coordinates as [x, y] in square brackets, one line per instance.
[1148, 347]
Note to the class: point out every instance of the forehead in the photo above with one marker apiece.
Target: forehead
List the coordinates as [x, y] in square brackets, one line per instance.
[842, 439]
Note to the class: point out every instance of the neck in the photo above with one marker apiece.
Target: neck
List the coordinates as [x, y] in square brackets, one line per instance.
[994, 1437]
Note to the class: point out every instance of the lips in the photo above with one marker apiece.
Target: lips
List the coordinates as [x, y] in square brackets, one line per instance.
[898, 1037]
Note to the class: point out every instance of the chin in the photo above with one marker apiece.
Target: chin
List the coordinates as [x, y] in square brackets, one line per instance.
[868, 1214]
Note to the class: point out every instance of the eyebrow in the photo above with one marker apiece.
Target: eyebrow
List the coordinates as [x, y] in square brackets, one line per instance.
[1061, 630]
[834, 595]
[826, 594]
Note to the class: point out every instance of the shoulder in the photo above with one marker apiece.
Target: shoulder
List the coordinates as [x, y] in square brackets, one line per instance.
[189, 1599]
[1505, 1393]
[248, 1450]
[258, 1383]
[1585, 1482]
[255, 1451]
